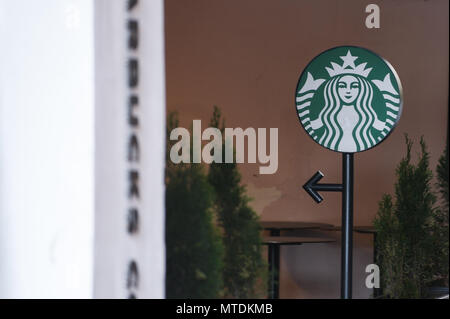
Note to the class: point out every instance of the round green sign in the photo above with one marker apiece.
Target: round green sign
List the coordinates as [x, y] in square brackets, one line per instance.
[348, 99]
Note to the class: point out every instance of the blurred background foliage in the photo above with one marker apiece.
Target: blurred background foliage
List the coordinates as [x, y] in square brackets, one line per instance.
[244, 270]
[213, 237]
[194, 249]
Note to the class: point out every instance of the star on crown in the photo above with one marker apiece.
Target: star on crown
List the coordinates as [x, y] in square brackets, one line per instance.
[348, 67]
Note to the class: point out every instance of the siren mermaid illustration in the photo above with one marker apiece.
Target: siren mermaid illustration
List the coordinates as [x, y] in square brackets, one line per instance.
[348, 113]
[347, 121]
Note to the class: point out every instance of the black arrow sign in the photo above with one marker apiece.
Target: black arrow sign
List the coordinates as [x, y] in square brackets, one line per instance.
[312, 187]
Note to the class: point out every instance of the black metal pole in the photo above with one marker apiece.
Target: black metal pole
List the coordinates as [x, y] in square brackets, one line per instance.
[274, 266]
[312, 187]
[347, 226]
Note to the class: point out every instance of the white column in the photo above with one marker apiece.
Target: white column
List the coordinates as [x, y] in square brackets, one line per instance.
[115, 193]
[46, 149]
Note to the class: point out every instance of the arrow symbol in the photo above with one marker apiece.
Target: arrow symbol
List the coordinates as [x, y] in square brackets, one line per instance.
[312, 187]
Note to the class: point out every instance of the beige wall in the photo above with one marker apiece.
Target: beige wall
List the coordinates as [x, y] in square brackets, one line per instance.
[246, 57]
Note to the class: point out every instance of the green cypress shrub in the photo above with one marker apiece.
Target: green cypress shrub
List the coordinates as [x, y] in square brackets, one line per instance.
[440, 226]
[244, 272]
[405, 242]
[442, 175]
[194, 249]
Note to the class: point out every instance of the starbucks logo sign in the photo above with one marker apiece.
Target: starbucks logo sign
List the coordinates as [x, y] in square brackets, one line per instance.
[348, 99]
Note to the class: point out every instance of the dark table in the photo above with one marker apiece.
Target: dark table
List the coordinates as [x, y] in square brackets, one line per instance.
[274, 241]
[359, 229]
[282, 240]
[275, 227]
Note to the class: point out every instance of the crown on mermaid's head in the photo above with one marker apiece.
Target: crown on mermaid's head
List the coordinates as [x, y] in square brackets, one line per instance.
[348, 67]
